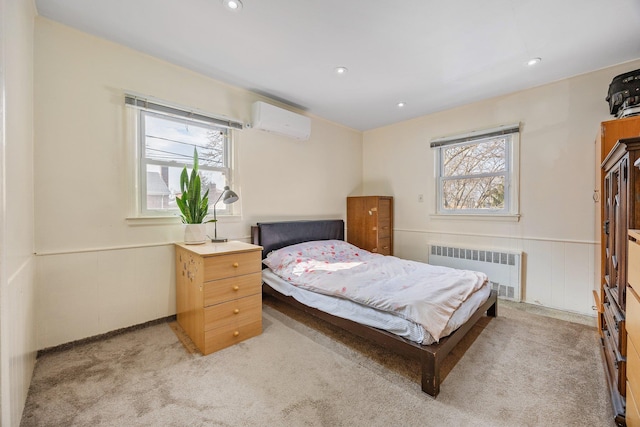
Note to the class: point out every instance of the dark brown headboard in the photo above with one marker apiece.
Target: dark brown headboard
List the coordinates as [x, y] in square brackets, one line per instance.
[276, 235]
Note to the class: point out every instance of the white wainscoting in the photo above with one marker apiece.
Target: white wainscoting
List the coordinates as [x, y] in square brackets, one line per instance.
[83, 294]
[18, 337]
[556, 273]
[87, 293]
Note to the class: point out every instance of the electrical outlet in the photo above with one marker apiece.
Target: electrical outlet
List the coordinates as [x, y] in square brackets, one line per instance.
[420, 198]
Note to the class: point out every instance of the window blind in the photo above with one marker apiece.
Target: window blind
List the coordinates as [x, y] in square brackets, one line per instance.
[147, 104]
[486, 133]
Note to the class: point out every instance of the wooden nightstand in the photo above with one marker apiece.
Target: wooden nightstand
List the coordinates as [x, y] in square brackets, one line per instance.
[219, 293]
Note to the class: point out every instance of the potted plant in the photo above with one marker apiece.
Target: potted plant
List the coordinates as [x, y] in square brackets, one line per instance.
[194, 206]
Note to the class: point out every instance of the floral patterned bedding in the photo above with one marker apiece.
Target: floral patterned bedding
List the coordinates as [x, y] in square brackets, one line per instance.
[425, 294]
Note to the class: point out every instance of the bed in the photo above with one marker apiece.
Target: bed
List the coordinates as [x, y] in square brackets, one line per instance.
[399, 338]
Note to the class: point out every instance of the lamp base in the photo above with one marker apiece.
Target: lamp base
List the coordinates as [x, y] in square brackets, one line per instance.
[219, 240]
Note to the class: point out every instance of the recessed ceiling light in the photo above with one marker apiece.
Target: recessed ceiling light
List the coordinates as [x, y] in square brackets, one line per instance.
[401, 104]
[341, 70]
[533, 61]
[234, 5]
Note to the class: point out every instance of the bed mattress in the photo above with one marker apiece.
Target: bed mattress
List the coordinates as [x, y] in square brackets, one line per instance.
[362, 314]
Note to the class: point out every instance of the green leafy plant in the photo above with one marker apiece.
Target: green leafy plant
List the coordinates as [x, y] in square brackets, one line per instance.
[194, 206]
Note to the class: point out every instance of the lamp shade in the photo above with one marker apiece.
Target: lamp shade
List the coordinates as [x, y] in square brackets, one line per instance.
[228, 196]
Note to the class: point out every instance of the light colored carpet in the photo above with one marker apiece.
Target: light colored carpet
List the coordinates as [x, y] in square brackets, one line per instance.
[520, 369]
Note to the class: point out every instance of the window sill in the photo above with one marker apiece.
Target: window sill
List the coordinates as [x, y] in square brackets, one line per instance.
[153, 220]
[170, 219]
[478, 217]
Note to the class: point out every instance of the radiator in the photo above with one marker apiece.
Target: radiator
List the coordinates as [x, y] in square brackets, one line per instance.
[502, 268]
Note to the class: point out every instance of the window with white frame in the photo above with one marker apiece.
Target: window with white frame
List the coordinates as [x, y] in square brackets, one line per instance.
[166, 139]
[477, 173]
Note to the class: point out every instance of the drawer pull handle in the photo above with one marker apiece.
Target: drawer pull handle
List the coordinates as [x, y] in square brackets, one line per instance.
[235, 288]
[235, 265]
[236, 311]
[236, 333]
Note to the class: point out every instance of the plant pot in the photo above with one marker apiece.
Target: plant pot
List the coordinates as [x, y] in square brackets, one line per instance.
[195, 234]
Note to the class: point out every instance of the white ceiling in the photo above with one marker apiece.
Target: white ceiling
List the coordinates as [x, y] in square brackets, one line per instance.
[433, 55]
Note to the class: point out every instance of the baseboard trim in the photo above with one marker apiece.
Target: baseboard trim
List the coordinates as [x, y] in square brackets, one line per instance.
[84, 341]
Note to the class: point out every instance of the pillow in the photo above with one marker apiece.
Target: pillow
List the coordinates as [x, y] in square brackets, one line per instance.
[318, 250]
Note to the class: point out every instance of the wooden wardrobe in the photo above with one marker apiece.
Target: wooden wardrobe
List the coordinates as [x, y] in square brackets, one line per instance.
[370, 223]
[620, 211]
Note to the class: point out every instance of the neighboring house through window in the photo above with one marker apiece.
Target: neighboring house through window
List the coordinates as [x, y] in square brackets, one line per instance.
[166, 138]
[158, 190]
[477, 173]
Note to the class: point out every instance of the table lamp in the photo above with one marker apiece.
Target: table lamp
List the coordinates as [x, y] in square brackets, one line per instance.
[227, 197]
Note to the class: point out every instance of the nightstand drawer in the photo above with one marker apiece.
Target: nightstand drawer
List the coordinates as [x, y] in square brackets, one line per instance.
[236, 312]
[233, 264]
[219, 338]
[218, 291]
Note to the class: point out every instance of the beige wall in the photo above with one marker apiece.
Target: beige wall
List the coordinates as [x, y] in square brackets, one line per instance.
[97, 271]
[17, 289]
[560, 122]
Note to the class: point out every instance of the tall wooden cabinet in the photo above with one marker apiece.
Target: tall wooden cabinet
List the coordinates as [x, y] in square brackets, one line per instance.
[620, 212]
[370, 223]
[615, 185]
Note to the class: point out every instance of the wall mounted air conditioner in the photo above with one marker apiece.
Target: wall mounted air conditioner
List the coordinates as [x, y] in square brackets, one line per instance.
[278, 120]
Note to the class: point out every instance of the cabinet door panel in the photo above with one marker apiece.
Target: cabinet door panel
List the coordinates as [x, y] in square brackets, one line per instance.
[632, 416]
[634, 265]
[633, 368]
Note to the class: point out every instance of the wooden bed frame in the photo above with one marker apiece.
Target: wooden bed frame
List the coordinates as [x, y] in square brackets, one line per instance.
[275, 235]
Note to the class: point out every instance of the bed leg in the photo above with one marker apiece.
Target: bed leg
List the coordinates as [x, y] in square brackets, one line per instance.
[493, 310]
[430, 374]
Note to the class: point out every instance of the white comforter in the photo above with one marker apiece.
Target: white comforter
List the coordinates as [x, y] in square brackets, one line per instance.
[425, 294]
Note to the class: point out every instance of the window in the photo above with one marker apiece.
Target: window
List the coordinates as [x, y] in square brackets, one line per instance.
[166, 138]
[477, 172]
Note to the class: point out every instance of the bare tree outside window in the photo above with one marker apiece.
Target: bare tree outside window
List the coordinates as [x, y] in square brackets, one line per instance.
[477, 173]
[474, 176]
[215, 149]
